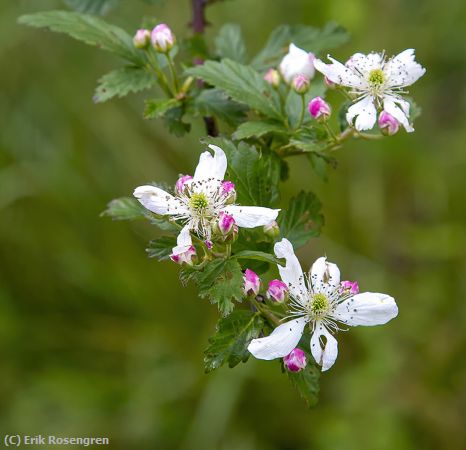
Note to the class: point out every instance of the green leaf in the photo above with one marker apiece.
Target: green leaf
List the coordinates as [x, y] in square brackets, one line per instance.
[302, 219]
[214, 102]
[260, 256]
[222, 282]
[124, 208]
[306, 383]
[230, 342]
[97, 7]
[89, 29]
[241, 83]
[173, 119]
[121, 82]
[256, 176]
[414, 111]
[161, 248]
[342, 122]
[230, 43]
[158, 107]
[274, 49]
[257, 128]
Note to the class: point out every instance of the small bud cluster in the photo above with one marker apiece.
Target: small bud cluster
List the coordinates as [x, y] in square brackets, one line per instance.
[277, 290]
[161, 37]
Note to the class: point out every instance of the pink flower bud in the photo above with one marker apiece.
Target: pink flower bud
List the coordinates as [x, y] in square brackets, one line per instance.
[319, 109]
[272, 229]
[330, 84]
[187, 257]
[228, 189]
[388, 124]
[272, 77]
[295, 361]
[252, 282]
[301, 84]
[277, 291]
[162, 38]
[209, 244]
[350, 287]
[225, 223]
[180, 184]
[141, 39]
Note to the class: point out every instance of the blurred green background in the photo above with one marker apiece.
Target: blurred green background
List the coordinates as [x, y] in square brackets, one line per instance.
[96, 339]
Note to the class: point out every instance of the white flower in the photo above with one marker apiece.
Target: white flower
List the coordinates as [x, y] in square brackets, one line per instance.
[201, 201]
[318, 301]
[378, 83]
[297, 62]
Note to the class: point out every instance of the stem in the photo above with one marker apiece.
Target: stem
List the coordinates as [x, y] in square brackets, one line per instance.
[171, 67]
[198, 24]
[331, 132]
[161, 78]
[303, 108]
[269, 315]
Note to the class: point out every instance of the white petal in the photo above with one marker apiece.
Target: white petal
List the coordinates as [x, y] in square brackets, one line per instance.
[324, 355]
[159, 201]
[183, 241]
[211, 166]
[340, 74]
[325, 276]
[365, 63]
[251, 216]
[400, 114]
[291, 274]
[280, 342]
[365, 113]
[367, 309]
[403, 70]
[297, 62]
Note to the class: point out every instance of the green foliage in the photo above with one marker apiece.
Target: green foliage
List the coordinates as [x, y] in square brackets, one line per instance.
[233, 335]
[121, 82]
[306, 382]
[259, 256]
[230, 43]
[302, 219]
[256, 176]
[257, 128]
[214, 102]
[173, 119]
[161, 248]
[98, 7]
[124, 208]
[158, 107]
[89, 29]
[242, 83]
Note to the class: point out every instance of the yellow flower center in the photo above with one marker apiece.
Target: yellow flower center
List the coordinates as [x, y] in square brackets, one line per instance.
[319, 305]
[376, 77]
[198, 202]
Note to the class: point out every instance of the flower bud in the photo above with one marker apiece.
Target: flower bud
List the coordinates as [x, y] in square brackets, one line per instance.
[272, 229]
[300, 84]
[277, 291]
[330, 84]
[188, 256]
[180, 184]
[162, 38]
[388, 124]
[319, 109]
[209, 244]
[252, 283]
[228, 189]
[295, 361]
[297, 62]
[225, 224]
[272, 77]
[142, 38]
[349, 287]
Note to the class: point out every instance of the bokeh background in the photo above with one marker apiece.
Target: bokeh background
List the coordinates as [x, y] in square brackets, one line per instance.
[96, 339]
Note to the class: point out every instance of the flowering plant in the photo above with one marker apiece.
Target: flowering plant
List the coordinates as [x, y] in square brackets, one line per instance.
[225, 224]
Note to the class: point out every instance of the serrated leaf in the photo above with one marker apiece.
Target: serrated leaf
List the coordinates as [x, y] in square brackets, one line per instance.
[241, 83]
[230, 342]
[173, 119]
[306, 383]
[257, 128]
[98, 7]
[230, 43]
[89, 29]
[302, 219]
[156, 108]
[222, 282]
[121, 82]
[161, 248]
[214, 102]
[259, 256]
[124, 208]
[256, 176]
